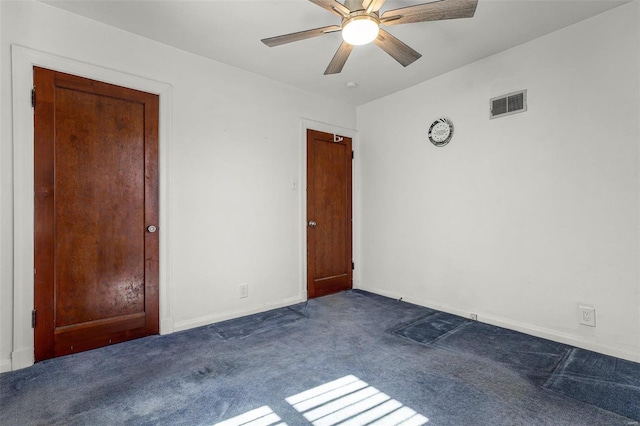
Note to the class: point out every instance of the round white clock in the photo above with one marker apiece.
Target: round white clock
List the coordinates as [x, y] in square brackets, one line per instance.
[441, 132]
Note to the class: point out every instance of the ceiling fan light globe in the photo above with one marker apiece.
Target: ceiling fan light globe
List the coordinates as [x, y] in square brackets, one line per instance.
[360, 30]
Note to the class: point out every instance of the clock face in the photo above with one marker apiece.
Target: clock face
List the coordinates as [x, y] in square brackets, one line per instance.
[440, 132]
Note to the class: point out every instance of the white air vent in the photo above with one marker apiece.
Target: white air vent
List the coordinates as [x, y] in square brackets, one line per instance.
[511, 103]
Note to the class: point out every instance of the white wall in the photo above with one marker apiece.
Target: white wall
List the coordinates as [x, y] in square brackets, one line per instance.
[519, 218]
[236, 146]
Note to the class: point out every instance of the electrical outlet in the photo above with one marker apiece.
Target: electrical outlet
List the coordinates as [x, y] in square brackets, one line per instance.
[587, 315]
[244, 290]
[474, 317]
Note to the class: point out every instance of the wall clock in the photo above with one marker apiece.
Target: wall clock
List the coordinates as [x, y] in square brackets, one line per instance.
[441, 132]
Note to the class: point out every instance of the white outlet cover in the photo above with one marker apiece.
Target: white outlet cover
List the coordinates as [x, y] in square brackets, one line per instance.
[244, 290]
[587, 315]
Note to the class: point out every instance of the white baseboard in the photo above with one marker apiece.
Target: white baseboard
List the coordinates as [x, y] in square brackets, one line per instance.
[5, 365]
[166, 326]
[521, 327]
[22, 358]
[227, 315]
[562, 338]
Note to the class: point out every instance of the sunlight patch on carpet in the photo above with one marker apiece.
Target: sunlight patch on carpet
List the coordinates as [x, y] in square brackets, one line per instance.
[350, 401]
[263, 416]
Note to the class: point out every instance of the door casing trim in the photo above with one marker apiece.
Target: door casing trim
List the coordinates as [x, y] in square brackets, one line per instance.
[23, 61]
[308, 124]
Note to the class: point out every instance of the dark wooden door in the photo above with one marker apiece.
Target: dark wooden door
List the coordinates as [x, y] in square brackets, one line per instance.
[96, 194]
[329, 228]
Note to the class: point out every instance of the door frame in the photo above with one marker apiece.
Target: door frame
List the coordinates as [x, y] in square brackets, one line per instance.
[23, 61]
[307, 124]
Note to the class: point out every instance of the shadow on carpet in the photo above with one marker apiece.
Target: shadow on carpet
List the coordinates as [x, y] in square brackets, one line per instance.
[604, 381]
[258, 323]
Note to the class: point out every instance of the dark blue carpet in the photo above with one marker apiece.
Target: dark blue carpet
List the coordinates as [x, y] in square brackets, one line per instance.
[532, 357]
[336, 364]
[605, 381]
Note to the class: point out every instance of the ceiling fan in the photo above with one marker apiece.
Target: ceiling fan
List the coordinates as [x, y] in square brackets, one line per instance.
[361, 23]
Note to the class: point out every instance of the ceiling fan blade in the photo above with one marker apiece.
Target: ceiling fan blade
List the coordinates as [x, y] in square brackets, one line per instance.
[302, 35]
[396, 49]
[435, 11]
[372, 5]
[339, 59]
[333, 6]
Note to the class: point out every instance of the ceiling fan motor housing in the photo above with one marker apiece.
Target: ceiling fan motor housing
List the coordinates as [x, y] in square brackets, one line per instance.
[353, 5]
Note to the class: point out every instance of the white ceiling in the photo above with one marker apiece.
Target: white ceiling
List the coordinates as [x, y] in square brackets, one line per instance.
[230, 32]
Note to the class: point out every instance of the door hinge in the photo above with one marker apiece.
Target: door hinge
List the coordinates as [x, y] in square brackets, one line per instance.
[353, 265]
[33, 319]
[353, 155]
[33, 97]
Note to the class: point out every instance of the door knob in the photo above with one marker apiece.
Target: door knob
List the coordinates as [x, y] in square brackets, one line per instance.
[312, 223]
[152, 229]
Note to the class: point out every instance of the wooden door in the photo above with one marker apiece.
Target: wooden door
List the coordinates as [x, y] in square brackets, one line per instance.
[96, 193]
[329, 228]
